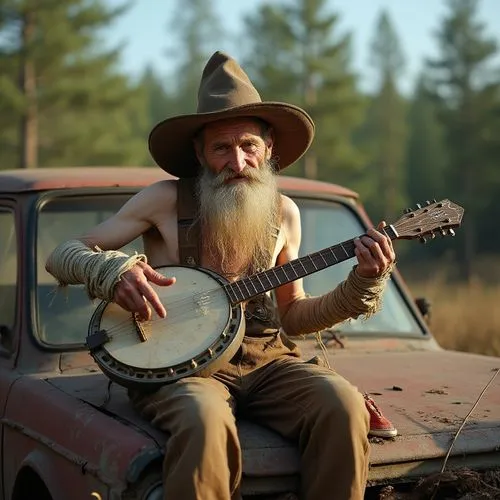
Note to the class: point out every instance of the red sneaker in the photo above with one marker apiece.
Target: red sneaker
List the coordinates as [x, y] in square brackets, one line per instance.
[380, 426]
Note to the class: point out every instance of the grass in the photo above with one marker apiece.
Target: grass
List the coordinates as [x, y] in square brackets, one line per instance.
[464, 316]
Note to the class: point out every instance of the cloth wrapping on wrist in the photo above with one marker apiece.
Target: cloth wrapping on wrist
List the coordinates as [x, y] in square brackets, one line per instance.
[356, 296]
[73, 262]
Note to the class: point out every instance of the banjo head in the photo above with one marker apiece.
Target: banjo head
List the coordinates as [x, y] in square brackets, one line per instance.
[202, 332]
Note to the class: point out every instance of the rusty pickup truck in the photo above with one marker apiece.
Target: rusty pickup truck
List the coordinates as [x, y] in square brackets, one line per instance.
[68, 433]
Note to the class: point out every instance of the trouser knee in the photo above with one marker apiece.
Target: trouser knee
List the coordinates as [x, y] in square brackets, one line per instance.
[343, 410]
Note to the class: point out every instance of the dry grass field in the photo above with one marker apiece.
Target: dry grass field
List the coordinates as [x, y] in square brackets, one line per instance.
[464, 316]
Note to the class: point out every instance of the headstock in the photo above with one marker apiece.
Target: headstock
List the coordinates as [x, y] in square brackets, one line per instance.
[434, 218]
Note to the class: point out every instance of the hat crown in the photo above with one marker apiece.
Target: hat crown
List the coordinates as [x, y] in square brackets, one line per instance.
[224, 85]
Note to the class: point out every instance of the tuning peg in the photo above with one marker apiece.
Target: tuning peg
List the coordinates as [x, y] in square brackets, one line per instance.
[432, 235]
[451, 232]
[418, 205]
[423, 240]
[434, 200]
[442, 232]
[428, 202]
[407, 210]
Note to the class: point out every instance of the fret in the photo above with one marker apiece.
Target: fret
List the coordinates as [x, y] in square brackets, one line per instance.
[236, 288]
[338, 258]
[251, 280]
[244, 283]
[257, 277]
[274, 283]
[343, 248]
[319, 261]
[290, 267]
[298, 268]
[312, 262]
[238, 284]
[324, 260]
[306, 263]
[303, 267]
[332, 251]
[341, 253]
[282, 270]
[230, 292]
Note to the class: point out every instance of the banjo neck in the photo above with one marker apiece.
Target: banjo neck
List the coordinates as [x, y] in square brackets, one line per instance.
[437, 218]
[251, 286]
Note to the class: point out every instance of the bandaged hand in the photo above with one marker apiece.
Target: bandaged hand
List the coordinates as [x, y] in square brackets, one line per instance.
[109, 275]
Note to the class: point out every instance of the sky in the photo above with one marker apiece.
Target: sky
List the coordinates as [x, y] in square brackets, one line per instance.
[143, 34]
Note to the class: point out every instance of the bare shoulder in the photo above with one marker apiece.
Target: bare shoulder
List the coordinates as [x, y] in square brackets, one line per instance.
[158, 197]
[165, 190]
[290, 214]
[290, 233]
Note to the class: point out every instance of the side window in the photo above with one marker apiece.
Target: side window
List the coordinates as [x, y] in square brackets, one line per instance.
[8, 276]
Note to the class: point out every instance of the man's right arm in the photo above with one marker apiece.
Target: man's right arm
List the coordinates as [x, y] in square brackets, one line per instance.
[93, 258]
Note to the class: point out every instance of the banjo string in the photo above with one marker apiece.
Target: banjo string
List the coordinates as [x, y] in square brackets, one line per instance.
[179, 307]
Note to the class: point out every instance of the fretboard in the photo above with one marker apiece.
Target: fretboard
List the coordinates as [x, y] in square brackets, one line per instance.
[246, 288]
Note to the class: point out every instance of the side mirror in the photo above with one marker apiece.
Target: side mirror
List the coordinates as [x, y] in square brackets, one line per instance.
[424, 306]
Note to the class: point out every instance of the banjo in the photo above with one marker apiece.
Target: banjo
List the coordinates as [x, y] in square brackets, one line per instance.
[205, 323]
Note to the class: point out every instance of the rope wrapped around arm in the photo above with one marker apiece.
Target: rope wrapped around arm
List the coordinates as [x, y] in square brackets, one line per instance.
[356, 296]
[73, 262]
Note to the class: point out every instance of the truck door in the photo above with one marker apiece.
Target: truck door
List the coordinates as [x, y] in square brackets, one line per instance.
[9, 322]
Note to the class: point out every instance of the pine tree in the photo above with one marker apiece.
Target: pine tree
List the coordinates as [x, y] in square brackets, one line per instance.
[425, 154]
[467, 94]
[426, 161]
[196, 32]
[156, 105]
[385, 129]
[69, 103]
[296, 55]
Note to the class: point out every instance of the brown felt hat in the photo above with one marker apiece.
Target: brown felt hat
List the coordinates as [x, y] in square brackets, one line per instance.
[226, 92]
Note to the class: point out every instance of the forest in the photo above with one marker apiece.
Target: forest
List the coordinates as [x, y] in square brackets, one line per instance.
[65, 101]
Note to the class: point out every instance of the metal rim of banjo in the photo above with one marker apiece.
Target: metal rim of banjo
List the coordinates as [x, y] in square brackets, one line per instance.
[204, 364]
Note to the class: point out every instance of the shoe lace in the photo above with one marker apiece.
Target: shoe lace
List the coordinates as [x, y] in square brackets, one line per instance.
[373, 406]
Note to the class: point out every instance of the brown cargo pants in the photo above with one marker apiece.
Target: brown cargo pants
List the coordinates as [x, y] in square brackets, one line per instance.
[309, 404]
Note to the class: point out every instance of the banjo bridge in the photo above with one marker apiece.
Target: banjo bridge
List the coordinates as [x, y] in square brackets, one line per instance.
[139, 329]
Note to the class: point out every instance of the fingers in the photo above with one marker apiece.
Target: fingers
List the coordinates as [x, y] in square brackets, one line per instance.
[135, 294]
[127, 297]
[156, 277]
[384, 242]
[374, 252]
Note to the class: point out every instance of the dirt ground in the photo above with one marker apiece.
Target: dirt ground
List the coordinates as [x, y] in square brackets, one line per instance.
[463, 484]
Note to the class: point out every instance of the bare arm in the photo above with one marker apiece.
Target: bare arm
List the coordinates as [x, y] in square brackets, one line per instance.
[131, 289]
[359, 294]
[134, 218]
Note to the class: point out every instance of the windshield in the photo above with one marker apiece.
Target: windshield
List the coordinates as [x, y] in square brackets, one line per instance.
[64, 313]
[325, 224]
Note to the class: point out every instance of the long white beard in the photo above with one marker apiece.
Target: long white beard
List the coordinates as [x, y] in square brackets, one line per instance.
[237, 219]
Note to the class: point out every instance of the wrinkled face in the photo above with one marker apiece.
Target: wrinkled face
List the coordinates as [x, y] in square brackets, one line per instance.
[239, 200]
[234, 144]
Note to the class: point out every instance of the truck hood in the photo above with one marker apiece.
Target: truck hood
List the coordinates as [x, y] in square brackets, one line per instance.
[426, 394]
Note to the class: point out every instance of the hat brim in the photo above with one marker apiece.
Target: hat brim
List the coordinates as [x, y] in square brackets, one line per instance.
[171, 141]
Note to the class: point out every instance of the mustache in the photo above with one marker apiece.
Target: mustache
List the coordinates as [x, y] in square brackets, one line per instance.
[227, 174]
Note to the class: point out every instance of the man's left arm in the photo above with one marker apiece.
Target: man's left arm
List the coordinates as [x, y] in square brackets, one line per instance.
[358, 295]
